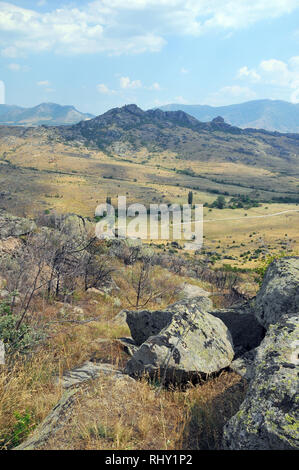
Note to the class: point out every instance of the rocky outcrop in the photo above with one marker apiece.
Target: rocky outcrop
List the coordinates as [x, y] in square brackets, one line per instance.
[62, 411]
[246, 331]
[279, 294]
[87, 371]
[191, 343]
[54, 421]
[268, 417]
[11, 226]
[190, 290]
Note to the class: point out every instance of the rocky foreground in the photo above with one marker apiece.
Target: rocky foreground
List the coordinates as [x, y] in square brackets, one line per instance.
[191, 341]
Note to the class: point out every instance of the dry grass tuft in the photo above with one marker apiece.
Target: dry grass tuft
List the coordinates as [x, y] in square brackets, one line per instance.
[112, 414]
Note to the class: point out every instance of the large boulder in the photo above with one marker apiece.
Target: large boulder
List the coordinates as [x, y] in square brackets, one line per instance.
[11, 226]
[192, 344]
[268, 417]
[246, 331]
[279, 294]
[146, 323]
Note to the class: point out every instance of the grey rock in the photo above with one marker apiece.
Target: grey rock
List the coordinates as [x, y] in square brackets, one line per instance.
[121, 318]
[11, 226]
[244, 365]
[88, 371]
[279, 294]
[192, 344]
[246, 331]
[146, 323]
[268, 417]
[190, 291]
[130, 347]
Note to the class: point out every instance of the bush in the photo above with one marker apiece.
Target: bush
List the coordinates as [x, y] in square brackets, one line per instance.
[22, 428]
[261, 270]
[16, 338]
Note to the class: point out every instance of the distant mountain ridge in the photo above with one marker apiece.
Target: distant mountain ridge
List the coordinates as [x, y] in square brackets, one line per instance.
[50, 114]
[271, 115]
[205, 156]
[128, 130]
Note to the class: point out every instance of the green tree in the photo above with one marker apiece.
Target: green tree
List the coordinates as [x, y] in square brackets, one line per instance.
[220, 202]
[190, 198]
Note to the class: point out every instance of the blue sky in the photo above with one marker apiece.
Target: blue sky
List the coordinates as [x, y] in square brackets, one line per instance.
[100, 54]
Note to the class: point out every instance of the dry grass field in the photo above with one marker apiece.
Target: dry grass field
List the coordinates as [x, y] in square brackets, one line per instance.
[40, 174]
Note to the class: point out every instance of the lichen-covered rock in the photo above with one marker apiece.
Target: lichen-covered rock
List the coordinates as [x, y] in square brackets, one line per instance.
[190, 290]
[11, 226]
[88, 371]
[244, 365]
[246, 331]
[129, 345]
[269, 416]
[279, 294]
[146, 323]
[192, 344]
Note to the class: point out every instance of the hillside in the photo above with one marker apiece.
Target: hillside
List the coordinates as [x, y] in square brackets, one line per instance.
[50, 114]
[130, 129]
[154, 157]
[272, 115]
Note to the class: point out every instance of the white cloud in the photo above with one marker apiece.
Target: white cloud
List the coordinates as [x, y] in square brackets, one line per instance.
[231, 95]
[127, 83]
[284, 75]
[184, 71]
[102, 88]
[155, 86]
[10, 51]
[126, 27]
[2, 92]
[14, 67]
[43, 83]
[244, 72]
[180, 100]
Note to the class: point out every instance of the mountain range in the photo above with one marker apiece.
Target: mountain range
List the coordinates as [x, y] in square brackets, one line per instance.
[50, 114]
[129, 129]
[272, 115]
[150, 156]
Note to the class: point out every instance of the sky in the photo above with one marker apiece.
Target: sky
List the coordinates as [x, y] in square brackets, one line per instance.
[100, 54]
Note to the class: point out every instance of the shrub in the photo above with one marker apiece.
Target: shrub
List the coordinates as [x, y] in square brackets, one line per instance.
[16, 338]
